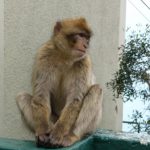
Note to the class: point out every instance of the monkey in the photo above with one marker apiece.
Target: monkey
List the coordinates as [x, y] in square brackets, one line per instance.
[66, 103]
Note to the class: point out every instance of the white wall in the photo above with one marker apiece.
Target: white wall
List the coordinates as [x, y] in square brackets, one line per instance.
[28, 23]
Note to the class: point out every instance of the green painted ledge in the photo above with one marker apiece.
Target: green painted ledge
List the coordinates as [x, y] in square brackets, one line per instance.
[101, 140]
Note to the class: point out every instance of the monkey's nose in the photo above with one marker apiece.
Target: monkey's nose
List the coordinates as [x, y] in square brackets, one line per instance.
[85, 46]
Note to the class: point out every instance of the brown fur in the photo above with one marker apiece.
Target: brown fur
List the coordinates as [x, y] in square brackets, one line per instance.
[65, 103]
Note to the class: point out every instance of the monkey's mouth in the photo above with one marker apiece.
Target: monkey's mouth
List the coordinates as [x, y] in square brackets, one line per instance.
[83, 51]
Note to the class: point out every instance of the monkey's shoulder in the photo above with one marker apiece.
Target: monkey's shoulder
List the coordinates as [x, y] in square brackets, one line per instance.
[45, 51]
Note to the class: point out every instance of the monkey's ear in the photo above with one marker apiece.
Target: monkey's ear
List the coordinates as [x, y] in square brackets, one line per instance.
[57, 27]
[82, 19]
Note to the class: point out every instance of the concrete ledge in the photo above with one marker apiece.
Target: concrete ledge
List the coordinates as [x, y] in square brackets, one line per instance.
[102, 139]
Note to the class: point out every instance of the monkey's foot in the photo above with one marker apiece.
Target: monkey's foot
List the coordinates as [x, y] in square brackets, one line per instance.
[69, 140]
[44, 142]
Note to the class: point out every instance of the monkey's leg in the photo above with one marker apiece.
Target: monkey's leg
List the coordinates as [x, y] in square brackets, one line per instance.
[89, 116]
[91, 112]
[29, 108]
[24, 104]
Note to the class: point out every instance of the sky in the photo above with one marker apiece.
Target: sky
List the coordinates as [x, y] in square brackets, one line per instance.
[136, 13]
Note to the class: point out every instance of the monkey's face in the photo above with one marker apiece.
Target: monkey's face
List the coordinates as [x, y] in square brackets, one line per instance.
[72, 36]
[78, 43]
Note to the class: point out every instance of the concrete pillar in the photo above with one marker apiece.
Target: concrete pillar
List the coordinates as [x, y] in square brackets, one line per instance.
[28, 24]
[1, 61]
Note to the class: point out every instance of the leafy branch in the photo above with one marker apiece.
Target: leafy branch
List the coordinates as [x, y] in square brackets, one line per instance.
[132, 80]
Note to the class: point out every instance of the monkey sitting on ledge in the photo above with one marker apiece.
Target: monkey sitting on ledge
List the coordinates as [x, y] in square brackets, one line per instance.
[66, 104]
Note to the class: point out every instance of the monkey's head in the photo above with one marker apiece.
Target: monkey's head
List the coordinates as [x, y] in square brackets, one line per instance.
[72, 37]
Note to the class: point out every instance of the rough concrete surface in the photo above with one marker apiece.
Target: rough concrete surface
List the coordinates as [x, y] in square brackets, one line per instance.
[101, 140]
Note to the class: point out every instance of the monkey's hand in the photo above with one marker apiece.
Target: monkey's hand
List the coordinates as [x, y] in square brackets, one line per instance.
[42, 139]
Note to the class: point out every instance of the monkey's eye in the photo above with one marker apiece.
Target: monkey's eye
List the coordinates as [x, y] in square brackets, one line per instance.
[71, 38]
[74, 36]
[84, 35]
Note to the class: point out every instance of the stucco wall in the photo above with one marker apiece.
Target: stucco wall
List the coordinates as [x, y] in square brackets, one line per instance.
[27, 24]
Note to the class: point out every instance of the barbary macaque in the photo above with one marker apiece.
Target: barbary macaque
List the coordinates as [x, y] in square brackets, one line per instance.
[66, 104]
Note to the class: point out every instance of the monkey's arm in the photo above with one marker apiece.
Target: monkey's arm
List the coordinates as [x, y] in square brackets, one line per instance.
[41, 102]
[68, 117]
